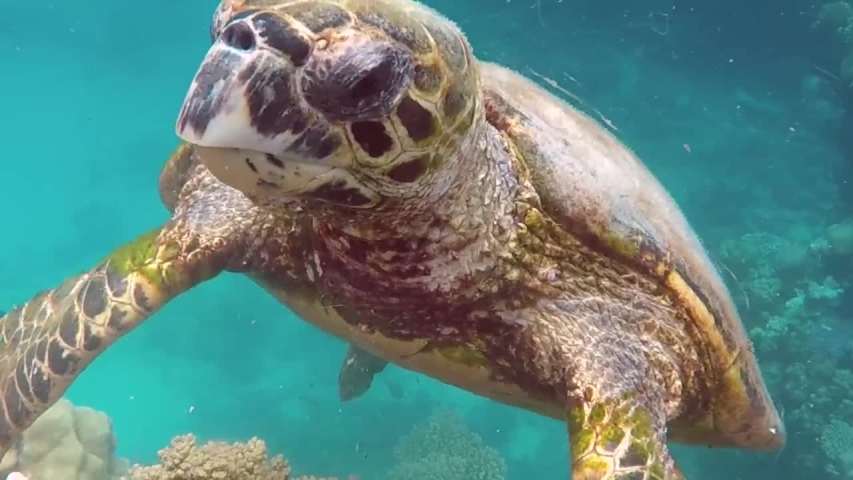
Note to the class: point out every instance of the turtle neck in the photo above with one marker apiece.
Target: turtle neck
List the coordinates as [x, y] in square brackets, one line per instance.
[446, 239]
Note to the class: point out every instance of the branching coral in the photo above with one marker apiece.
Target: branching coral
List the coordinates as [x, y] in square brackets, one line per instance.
[68, 443]
[766, 267]
[801, 334]
[837, 443]
[77, 443]
[185, 460]
[444, 449]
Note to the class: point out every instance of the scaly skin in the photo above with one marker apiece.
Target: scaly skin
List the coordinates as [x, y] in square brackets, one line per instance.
[359, 366]
[525, 254]
[617, 440]
[413, 201]
[530, 257]
[51, 339]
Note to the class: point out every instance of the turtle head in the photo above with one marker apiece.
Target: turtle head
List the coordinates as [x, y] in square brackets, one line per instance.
[352, 106]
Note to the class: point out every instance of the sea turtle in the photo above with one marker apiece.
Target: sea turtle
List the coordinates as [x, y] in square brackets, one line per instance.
[356, 159]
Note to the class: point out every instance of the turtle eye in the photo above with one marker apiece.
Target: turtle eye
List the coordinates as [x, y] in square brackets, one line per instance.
[364, 82]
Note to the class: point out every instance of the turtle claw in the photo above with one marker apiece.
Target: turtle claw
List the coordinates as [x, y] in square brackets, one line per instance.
[357, 373]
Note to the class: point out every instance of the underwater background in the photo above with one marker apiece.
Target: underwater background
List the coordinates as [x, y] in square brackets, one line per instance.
[738, 107]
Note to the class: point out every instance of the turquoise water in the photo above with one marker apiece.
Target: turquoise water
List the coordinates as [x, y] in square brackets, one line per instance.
[744, 136]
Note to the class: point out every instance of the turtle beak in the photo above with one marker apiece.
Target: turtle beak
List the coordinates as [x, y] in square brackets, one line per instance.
[215, 109]
[242, 96]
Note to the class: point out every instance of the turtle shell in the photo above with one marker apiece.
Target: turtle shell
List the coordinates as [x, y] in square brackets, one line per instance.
[603, 195]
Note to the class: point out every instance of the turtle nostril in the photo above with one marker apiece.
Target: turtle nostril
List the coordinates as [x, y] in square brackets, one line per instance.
[240, 36]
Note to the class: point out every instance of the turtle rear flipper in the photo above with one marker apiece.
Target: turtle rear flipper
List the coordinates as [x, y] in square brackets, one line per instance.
[357, 372]
[47, 342]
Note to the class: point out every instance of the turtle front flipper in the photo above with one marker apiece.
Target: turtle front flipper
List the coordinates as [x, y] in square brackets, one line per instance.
[621, 437]
[48, 341]
[357, 372]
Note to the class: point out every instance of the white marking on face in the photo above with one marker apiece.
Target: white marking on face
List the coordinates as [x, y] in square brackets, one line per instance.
[317, 265]
[309, 271]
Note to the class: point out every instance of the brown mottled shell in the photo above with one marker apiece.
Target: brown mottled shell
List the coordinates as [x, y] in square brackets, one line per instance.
[605, 196]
